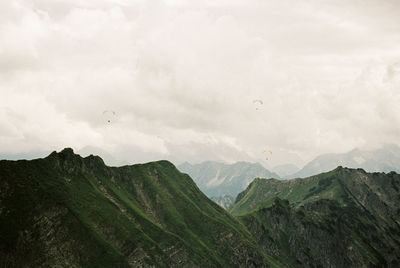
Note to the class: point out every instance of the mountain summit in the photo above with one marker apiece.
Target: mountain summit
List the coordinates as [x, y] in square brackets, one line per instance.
[65, 210]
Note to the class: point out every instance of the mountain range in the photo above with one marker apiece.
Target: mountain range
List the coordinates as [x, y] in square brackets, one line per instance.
[68, 211]
[383, 159]
[218, 179]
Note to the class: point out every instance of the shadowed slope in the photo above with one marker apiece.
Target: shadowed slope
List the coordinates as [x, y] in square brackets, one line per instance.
[342, 218]
[74, 211]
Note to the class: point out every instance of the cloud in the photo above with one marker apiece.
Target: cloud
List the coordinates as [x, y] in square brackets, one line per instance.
[182, 76]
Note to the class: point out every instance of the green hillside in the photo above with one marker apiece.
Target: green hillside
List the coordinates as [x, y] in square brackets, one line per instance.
[262, 192]
[325, 234]
[70, 211]
[342, 218]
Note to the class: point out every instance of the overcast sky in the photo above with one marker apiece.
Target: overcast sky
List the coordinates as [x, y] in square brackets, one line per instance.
[182, 77]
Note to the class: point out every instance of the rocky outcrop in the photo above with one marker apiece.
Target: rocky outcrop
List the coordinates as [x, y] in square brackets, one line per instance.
[344, 218]
[324, 234]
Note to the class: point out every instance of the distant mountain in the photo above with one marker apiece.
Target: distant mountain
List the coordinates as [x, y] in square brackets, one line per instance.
[342, 218]
[224, 201]
[285, 170]
[69, 211]
[384, 159]
[219, 179]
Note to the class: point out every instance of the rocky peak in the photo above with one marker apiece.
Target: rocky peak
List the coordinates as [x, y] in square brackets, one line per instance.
[94, 161]
[66, 154]
[67, 160]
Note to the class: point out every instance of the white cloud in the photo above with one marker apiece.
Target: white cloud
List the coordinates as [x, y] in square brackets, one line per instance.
[182, 77]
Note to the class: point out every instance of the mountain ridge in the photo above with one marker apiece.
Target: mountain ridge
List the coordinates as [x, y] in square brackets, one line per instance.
[383, 159]
[53, 208]
[71, 211]
[341, 218]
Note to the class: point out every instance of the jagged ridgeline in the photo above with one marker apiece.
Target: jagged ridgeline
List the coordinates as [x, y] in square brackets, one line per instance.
[69, 211]
[342, 218]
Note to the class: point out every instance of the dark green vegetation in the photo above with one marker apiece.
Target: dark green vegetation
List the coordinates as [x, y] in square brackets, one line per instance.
[71, 211]
[342, 218]
[262, 192]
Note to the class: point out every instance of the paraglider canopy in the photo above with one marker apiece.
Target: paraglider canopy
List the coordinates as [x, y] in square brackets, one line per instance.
[267, 152]
[258, 103]
[109, 115]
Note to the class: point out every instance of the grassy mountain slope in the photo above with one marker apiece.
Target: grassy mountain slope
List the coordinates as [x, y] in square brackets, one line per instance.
[71, 211]
[262, 192]
[342, 218]
[325, 234]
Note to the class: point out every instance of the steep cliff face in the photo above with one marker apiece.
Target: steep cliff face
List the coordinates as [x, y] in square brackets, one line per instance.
[325, 234]
[343, 218]
[71, 211]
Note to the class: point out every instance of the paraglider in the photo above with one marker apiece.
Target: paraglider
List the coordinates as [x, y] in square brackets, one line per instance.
[267, 151]
[109, 116]
[258, 103]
